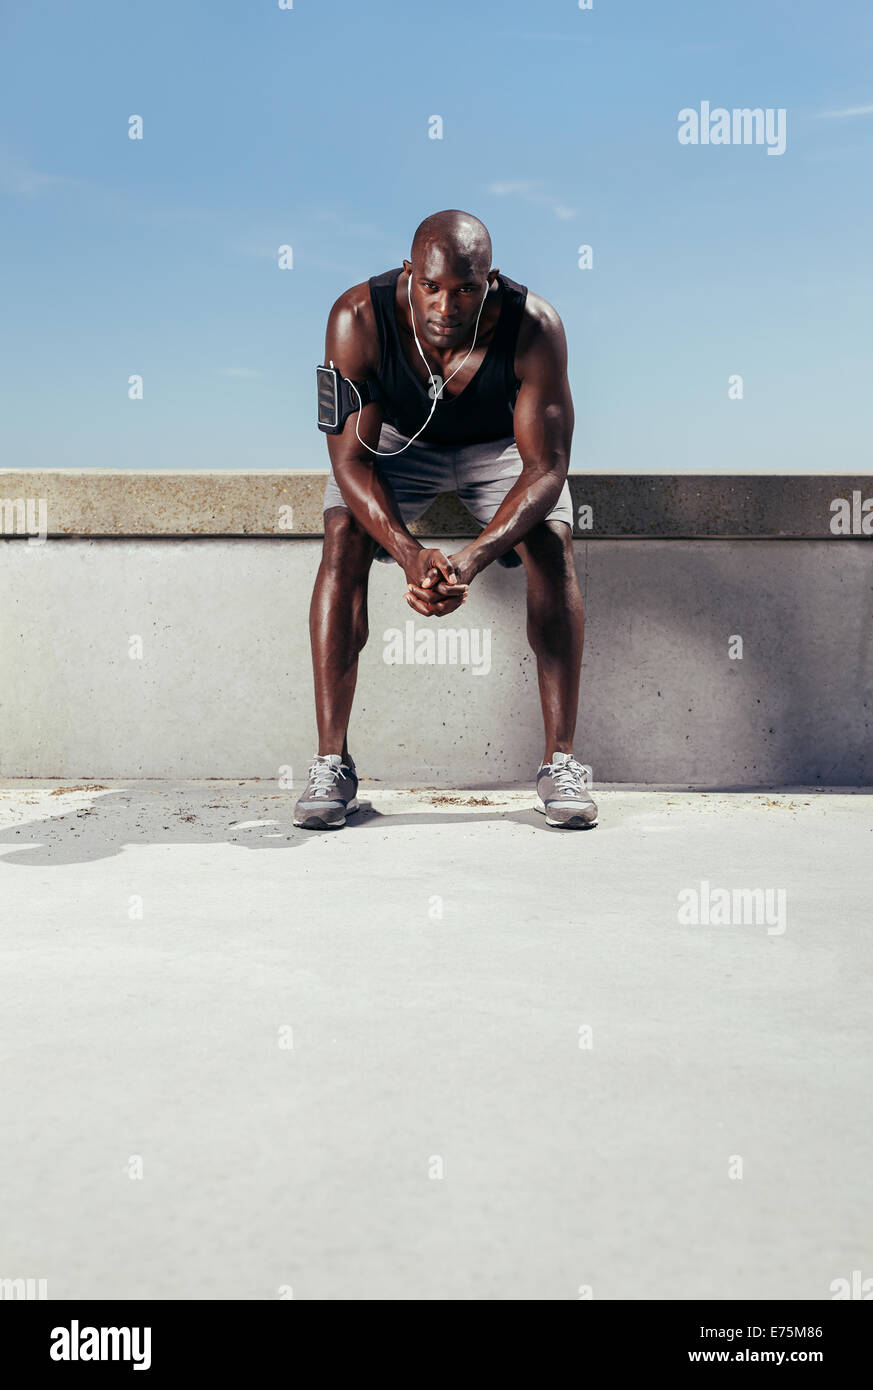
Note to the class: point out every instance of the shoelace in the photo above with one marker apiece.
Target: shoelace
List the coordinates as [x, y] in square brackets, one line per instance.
[324, 777]
[570, 777]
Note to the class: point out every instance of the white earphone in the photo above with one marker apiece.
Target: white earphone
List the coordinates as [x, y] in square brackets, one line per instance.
[437, 391]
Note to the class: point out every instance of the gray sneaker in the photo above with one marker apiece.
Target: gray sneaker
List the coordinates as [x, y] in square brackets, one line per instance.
[563, 796]
[330, 795]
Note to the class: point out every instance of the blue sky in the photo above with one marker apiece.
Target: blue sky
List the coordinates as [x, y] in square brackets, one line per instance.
[309, 127]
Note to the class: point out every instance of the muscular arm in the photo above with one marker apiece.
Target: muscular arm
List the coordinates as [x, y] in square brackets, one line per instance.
[352, 345]
[543, 421]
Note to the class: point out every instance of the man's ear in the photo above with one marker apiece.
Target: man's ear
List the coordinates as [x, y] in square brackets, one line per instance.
[407, 266]
[492, 276]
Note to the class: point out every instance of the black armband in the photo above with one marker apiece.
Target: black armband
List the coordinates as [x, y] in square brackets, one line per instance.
[337, 400]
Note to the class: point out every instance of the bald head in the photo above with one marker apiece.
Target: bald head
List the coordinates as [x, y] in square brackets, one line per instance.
[458, 236]
[449, 276]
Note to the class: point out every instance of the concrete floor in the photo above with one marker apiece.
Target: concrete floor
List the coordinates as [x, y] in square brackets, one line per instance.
[512, 1072]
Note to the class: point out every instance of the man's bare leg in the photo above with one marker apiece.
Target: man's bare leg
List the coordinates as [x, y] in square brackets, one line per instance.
[338, 627]
[555, 628]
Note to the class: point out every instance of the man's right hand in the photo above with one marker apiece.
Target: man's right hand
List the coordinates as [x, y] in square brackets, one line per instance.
[426, 569]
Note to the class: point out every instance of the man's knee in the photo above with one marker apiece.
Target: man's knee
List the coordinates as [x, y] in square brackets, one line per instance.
[345, 540]
[548, 546]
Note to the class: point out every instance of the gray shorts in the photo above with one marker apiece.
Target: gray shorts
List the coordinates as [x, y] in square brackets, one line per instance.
[480, 474]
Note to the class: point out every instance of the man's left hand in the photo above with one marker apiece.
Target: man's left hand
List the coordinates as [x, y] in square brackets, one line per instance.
[441, 598]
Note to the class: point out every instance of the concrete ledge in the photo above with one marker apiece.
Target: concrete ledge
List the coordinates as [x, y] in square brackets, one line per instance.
[103, 502]
[153, 642]
[153, 657]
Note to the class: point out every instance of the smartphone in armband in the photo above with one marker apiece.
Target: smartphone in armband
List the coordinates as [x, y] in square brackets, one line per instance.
[336, 399]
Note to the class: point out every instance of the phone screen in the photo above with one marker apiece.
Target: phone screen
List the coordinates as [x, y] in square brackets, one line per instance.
[327, 398]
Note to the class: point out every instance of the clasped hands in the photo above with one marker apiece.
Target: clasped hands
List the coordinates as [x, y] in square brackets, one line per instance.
[438, 583]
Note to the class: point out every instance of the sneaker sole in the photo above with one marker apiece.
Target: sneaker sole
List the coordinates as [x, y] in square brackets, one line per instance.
[317, 822]
[579, 822]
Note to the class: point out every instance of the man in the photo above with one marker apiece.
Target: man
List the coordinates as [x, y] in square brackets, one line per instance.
[499, 437]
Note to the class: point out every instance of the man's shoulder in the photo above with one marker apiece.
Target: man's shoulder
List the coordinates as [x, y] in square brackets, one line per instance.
[541, 331]
[540, 335]
[357, 300]
[353, 316]
[539, 318]
[354, 303]
[352, 332]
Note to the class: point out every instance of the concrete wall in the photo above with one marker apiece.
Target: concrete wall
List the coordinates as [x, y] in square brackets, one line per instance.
[223, 685]
[163, 502]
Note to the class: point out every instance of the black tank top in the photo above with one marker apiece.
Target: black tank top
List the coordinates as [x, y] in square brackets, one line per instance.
[483, 410]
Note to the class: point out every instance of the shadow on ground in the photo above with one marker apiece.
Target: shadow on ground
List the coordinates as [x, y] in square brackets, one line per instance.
[112, 820]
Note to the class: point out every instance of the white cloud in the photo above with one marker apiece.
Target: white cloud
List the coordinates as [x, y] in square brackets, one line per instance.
[366, 230]
[530, 192]
[19, 180]
[502, 189]
[260, 250]
[848, 111]
[559, 38]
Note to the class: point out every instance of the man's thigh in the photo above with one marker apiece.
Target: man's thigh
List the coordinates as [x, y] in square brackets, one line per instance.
[415, 477]
[485, 473]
